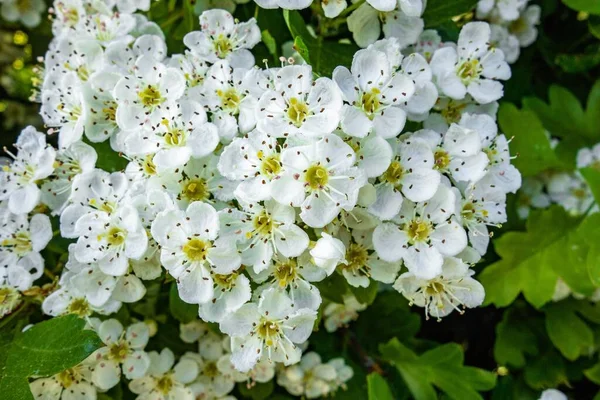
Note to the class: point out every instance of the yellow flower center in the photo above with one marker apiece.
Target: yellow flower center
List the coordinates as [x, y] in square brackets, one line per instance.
[469, 70]
[148, 165]
[316, 177]
[370, 102]
[226, 282]
[79, 307]
[285, 272]
[210, 370]
[150, 96]
[67, 378]
[356, 256]
[115, 236]
[270, 165]
[175, 137]
[196, 190]
[442, 160]
[393, 174]
[418, 230]
[223, 46]
[118, 351]
[263, 225]
[230, 99]
[196, 249]
[9, 299]
[164, 384]
[434, 288]
[453, 111]
[110, 111]
[267, 331]
[297, 111]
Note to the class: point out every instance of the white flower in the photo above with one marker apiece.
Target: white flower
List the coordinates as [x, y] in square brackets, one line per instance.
[531, 195]
[412, 8]
[18, 180]
[123, 349]
[373, 153]
[473, 67]
[589, 157]
[14, 279]
[110, 239]
[194, 69]
[339, 315]
[458, 153]
[570, 191]
[21, 240]
[372, 93]
[222, 38]
[505, 10]
[27, 12]
[144, 98]
[272, 329]
[79, 158]
[328, 253]
[64, 384]
[553, 394]
[451, 289]
[164, 381]
[366, 24]
[231, 96]
[106, 27]
[255, 161]
[509, 44]
[362, 263]
[191, 249]
[524, 28]
[447, 111]
[262, 231]
[298, 106]
[320, 178]
[411, 173]
[422, 234]
[230, 292]
[183, 133]
[285, 4]
[312, 378]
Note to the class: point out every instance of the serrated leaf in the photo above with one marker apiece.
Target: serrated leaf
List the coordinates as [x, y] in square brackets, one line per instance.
[546, 371]
[529, 143]
[378, 387]
[181, 311]
[324, 56]
[441, 367]
[439, 12]
[590, 6]
[514, 339]
[44, 350]
[569, 333]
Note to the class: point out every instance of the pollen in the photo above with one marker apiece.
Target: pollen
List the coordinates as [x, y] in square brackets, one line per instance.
[196, 249]
[316, 177]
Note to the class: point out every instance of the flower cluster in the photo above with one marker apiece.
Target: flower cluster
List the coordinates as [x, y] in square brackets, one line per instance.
[247, 186]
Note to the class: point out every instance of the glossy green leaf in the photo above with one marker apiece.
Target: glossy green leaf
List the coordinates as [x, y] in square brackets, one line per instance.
[108, 159]
[529, 140]
[590, 6]
[378, 387]
[323, 55]
[441, 367]
[44, 350]
[439, 12]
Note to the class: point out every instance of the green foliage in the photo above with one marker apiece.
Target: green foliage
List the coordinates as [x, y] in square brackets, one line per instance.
[514, 340]
[441, 367]
[567, 331]
[438, 12]
[43, 350]
[378, 387]
[529, 140]
[590, 6]
[108, 159]
[554, 244]
[323, 55]
[335, 287]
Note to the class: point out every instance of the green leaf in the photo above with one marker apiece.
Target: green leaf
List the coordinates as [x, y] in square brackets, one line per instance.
[108, 159]
[530, 142]
[333, 288]
[439, 12]
[592, 177]
[590, 6]
[579, 62]
[365, 295]
[547, 370]
[592, 112]
[554, 245]
[324, 56]
[270, 42]
[593, 374]
[569, 333]
[260, 391]
[43, 350]
[378, 387]
[594, 25]
[514, 339]
[181, 311]
[441, 367]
